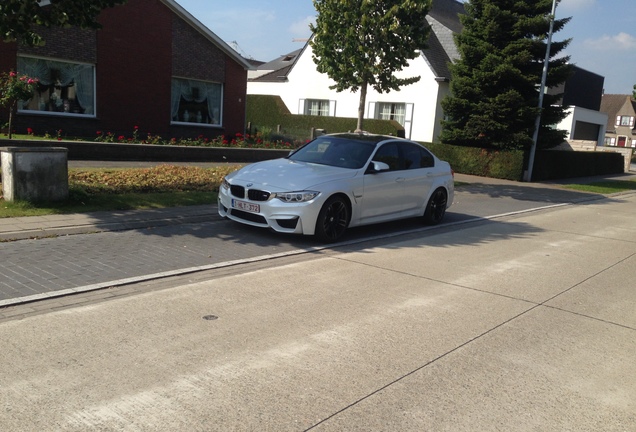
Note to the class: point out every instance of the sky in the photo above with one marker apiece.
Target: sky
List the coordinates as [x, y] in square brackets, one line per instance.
[603, 32]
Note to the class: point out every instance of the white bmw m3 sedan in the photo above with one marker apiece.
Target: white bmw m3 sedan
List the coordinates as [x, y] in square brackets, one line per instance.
[339, 181]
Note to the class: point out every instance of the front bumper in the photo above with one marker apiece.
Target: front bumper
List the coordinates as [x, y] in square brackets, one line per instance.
[291, 218]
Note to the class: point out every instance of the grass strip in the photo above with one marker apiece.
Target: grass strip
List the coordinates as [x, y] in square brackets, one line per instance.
[605, 187]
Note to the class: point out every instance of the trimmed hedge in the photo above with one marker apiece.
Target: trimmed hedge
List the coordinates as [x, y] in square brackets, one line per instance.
[481, 162]
[266, 111]
[510, 165]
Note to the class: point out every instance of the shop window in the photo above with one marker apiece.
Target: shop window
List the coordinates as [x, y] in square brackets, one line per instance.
[198, 102]
[63, 87]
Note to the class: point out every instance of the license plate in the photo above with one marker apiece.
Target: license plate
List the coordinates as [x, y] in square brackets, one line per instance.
[245, 206]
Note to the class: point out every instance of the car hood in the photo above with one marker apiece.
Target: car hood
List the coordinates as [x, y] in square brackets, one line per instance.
[287, 175]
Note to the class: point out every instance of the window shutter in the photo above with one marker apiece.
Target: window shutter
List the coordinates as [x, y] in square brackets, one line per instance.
[408, 120]
[370, 114]
[301, 107]
[618, 120]
[332, 108]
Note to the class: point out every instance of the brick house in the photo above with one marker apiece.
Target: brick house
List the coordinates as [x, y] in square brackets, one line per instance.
[621, 111]
[152, 65]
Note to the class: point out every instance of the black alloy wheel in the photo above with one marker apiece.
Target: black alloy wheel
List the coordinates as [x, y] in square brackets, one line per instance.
[333, 220]
[436, 207]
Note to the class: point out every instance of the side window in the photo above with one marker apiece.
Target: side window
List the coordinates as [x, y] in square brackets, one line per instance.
[390, 155]
[427, 160]
[416, 157]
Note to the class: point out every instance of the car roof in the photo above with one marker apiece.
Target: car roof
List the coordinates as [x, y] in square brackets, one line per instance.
[363, 136]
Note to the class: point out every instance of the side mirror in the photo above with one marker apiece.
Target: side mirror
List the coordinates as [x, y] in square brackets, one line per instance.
[376, 167]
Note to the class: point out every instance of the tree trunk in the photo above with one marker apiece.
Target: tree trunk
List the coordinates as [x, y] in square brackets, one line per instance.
[363, 99]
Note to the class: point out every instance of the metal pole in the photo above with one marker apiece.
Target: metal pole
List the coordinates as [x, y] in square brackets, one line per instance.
[544, 77]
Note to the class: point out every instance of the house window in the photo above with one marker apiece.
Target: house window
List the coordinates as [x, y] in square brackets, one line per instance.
[317, 107]
[63, 87]
[610, 141]
[198, 102]
[391, 111]
[625, 121]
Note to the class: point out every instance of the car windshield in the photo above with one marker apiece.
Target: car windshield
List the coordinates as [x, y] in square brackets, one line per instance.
[335, 151]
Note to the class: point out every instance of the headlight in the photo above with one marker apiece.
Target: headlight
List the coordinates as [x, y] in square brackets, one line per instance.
[296, 197]
[225, 184]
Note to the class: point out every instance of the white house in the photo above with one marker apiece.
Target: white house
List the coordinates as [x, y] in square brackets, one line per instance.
[417, 106]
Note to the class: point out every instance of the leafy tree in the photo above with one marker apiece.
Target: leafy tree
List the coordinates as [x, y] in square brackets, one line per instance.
[495, 84]
[18, 17]
[361, 43]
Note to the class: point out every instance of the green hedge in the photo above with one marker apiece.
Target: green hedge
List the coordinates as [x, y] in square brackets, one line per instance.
[266, 112]
[480, 162]
[509, 165]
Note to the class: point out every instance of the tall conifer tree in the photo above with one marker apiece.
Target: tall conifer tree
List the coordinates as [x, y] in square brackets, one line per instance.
[495, 84]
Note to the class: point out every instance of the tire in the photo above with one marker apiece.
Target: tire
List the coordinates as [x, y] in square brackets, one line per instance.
[333, 220]
[436, 207]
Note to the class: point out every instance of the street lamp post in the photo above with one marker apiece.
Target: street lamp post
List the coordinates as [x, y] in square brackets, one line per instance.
[544, 77]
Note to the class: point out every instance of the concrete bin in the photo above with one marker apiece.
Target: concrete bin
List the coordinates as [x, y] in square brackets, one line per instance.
[34, 174]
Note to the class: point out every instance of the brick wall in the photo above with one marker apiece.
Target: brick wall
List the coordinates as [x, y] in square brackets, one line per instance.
[193, 56]
[234, 98]
[65, 43]
[134, 71]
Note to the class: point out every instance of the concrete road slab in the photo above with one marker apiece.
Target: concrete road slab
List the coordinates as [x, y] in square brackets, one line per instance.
[609, 296]
[473, 258]
[609, 218]
[546, 371]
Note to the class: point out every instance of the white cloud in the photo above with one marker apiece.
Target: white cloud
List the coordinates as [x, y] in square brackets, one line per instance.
[301, 28]
[620, 42]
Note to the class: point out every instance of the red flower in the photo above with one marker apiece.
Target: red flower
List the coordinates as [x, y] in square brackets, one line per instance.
[121, 138]
[29, 131]
[99, 132]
